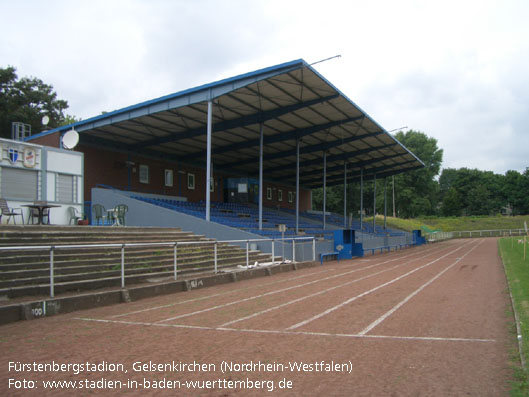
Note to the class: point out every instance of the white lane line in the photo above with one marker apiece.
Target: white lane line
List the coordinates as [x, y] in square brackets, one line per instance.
[405, 300]
[279, 291]
[284, 332]
[219, 294]
[243, 289]
[307, 296]
[350, 300]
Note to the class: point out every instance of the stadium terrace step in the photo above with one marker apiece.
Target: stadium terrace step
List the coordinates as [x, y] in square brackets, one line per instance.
[26, 272]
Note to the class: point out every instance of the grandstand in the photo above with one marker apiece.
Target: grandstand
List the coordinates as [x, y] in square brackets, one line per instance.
[240, 155]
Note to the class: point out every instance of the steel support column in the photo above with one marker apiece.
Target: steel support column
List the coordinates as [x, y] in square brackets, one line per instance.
[374, 202]
[324, 186]
[208, 160]
[261, 140]
[361, 198]
[385, 202]
[345, 194]
[297, 186]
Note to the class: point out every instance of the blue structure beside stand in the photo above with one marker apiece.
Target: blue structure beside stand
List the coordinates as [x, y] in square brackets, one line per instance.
[418, 239]
[344, 244]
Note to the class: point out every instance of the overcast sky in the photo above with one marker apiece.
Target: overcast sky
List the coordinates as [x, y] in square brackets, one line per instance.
[456, 70]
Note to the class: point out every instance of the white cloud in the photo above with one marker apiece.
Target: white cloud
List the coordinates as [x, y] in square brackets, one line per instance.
[455, 70]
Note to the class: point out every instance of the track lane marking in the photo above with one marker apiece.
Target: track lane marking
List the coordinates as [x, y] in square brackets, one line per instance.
[286, 332]
[410, 296]
[262, 285]
[283, 289]
[350, 300]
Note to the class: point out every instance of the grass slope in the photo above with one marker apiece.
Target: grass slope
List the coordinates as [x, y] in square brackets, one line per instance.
[463, 223]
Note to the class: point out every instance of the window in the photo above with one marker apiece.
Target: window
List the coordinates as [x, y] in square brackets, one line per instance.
[144, 173]
[279, 195]
[168, 178]
[290, 197]
[191, 181]
[65, 188]
[269, 193]
[19, 183]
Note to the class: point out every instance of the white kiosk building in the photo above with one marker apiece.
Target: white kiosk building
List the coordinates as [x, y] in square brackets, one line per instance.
[32, 173]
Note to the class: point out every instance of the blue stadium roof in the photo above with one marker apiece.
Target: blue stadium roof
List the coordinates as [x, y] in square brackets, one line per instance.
[293, 101]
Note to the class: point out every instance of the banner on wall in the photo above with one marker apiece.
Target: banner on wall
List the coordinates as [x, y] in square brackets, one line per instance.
[30, 158]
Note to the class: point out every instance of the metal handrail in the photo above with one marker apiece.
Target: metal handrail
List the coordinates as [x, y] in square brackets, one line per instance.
[174, 244]
[474, 233]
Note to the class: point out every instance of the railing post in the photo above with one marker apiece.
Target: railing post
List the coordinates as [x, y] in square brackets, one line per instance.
[273, 251]
[293, 250]
[313, 249]
[247, 253]
[175, 259]
[215, 254]
[122, 265]
[52, 283]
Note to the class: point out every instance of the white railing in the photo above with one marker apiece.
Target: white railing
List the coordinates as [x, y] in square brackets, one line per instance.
[438, 236]
[175, 245]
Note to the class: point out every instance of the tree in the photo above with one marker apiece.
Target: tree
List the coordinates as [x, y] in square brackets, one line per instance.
[417, 191]
[451, 204]
[27, 100]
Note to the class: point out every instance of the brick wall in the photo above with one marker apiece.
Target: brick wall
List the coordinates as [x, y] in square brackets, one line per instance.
[122, 171]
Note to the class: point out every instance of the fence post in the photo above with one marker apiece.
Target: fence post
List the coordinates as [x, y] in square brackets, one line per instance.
[175, 259]
[215, 256]
[122, 265]
[293, 250]
[273, 251]
[247, 253]
[313, 249]
[52, 282]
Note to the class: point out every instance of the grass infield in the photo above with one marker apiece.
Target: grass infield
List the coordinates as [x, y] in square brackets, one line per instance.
[517, 271]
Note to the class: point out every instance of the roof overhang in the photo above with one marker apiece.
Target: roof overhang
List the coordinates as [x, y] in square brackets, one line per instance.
[292, 101]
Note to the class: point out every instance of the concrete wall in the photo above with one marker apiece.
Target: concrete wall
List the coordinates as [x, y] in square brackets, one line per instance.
[149, 215]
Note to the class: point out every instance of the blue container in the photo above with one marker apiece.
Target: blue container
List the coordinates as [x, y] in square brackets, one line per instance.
[344, 244]
[418, 239]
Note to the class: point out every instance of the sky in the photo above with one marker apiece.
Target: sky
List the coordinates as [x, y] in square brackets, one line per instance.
[456, 70]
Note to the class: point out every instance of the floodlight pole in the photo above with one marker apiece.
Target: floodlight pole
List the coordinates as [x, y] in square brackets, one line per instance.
[324, 186]
[261, 141]
[208, 160]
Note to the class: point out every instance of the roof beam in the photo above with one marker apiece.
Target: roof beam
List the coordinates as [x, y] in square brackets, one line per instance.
[254, 118]
[350, 166]
[367, 173]
[311, 148]
[336, 157]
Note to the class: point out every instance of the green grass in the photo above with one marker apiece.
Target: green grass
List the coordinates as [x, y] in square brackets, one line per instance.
[517, 271]
[451, 224]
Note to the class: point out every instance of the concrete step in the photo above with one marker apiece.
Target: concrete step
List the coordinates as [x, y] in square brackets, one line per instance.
[112, 281]
[26, 271]
[130, 269]
[98, 263]
[32, 259]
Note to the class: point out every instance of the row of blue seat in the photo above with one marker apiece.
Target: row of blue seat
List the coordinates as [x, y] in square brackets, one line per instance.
[241, 217]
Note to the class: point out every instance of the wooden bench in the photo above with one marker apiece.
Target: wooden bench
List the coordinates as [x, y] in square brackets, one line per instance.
[324, 254]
